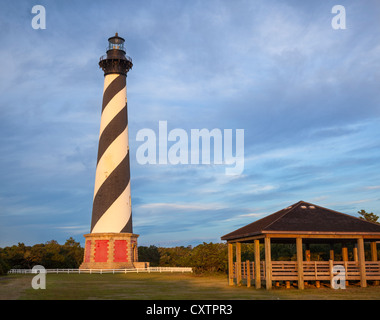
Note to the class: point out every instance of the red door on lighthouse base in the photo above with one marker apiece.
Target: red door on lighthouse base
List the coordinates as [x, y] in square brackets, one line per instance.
[101, 250]
[120, 253]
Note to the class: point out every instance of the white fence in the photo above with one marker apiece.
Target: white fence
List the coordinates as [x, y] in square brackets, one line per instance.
[101, 271]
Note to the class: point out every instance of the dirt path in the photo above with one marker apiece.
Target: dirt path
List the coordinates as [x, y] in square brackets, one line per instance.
[12, 287]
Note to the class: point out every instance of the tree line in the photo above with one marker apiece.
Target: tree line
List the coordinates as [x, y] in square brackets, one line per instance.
[50, 255]
[204, 258]
[207, 257]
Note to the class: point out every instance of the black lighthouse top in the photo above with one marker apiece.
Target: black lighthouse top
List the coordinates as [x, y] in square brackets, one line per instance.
[115, 61]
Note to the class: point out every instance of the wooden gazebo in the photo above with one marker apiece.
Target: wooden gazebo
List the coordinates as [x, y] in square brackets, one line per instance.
[304, 223]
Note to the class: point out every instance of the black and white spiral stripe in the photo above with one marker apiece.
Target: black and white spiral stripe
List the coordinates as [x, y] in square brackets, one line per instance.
[112, 212]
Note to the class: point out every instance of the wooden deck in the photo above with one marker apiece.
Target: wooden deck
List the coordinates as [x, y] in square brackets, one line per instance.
[312, 270]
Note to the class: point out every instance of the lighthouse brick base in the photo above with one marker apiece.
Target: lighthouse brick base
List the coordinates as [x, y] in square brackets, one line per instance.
[111, 251]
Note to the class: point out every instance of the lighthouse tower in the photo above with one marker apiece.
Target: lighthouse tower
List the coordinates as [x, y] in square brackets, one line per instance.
[111, 243]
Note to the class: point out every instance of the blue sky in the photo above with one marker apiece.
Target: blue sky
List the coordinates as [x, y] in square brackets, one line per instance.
[306, 95]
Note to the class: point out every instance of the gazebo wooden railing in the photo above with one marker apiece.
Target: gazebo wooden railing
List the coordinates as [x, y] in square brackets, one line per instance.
[312, 270]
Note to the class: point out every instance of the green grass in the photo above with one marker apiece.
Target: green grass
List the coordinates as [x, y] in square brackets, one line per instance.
[165, 286]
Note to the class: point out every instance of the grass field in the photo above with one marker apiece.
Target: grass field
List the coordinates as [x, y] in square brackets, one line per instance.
[165, 286]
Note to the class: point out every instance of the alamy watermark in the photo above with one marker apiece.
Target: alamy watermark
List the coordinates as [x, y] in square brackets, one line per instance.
[39, 20]
[39, 281]
[194, 150]
[339, 21]
[339, 280]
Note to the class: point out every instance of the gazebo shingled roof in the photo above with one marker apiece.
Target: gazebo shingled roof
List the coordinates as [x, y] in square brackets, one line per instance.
[306, 218]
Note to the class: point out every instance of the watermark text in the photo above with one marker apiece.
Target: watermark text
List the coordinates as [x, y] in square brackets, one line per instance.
[203, 147]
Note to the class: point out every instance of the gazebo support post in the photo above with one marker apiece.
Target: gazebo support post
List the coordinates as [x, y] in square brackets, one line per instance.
[257, 264]
[331, 252]
[356, 252]
[363, 280]
[374, 256]
[230, 264]
[345, 258]
[307, 255]
[238, 263]
[247, 263]
[300, 263]
[345, 253]
[268, 264]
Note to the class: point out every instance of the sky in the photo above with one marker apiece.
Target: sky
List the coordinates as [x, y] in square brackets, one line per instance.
[305, 94]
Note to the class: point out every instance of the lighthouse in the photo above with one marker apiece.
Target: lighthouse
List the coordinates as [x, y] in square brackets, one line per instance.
[111, 243]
